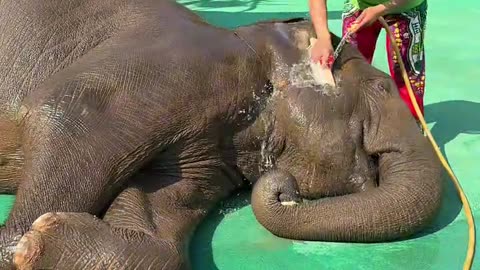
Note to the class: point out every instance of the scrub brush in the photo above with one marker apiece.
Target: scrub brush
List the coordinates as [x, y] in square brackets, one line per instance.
[321, 74]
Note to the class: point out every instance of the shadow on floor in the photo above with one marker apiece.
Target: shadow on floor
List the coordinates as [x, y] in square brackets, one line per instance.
[248, 5]
[202, 256]
[450, 119]
[233, 20]
[453, 118]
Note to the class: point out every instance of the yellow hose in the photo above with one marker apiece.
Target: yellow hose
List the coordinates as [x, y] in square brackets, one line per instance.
[471, 225]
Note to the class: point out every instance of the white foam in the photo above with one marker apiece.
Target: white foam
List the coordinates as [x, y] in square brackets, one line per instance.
[302, 76]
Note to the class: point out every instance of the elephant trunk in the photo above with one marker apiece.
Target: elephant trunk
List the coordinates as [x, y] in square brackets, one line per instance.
[407, 198]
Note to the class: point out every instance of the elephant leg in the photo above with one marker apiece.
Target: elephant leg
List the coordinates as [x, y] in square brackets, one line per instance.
[68, 170]
[81, 241]
[146, 227]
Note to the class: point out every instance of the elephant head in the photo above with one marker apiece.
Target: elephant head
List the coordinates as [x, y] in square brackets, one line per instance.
[353, 166]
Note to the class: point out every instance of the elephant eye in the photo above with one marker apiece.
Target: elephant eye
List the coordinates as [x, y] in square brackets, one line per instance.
[380, 84]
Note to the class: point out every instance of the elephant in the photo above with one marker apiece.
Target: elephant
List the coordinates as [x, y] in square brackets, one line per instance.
[124, 123]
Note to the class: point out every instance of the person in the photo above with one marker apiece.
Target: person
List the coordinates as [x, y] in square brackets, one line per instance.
[406, 19]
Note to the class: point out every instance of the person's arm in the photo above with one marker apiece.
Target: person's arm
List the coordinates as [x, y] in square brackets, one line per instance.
[371, 14]
[322, 51]
[318, 14]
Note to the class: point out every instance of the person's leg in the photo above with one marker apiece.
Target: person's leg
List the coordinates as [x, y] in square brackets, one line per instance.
[365, 39]
[409, 31]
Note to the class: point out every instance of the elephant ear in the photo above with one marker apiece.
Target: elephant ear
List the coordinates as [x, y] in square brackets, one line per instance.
[389, 125]
[408, 166]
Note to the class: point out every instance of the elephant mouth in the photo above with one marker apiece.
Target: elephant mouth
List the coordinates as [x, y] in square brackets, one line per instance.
[288, 199]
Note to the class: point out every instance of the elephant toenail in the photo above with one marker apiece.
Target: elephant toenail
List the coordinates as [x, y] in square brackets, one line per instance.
[45, 222]
[27, 250]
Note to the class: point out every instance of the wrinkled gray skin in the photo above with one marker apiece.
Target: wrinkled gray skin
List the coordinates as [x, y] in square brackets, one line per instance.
[143, 115]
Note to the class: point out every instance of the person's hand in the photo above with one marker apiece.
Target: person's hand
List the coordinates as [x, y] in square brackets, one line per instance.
[322, 51]
[368, 16]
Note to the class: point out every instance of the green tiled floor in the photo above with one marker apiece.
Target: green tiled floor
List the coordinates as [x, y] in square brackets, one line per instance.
[231, 239]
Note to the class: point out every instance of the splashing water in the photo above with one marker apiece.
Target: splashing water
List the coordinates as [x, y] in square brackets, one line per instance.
[231, 206]
[301, 76]
[268, 161]
[267, 155]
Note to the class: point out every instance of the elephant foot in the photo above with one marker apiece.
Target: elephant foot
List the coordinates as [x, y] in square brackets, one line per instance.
[81, 241]
[54, 238]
